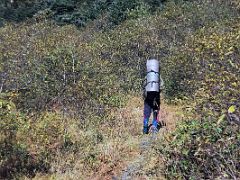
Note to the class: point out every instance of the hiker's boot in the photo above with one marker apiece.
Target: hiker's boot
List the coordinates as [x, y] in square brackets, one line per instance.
[155, 126]
[145, 126]
[145, 129]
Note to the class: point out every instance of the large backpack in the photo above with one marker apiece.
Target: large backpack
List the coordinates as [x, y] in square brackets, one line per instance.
[152, 78]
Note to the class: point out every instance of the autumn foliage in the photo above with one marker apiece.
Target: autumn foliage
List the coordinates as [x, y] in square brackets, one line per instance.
[59, 82]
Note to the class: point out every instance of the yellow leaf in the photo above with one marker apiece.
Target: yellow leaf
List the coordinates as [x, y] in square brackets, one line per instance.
[234, 84]
[231, 109]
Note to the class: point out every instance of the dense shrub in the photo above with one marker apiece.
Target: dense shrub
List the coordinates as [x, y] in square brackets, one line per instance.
[30, 145]
[53, 60]
[205, 149]
[51, 72]
[204, 65]
[75, 12]
[53, 69]
[14, 153]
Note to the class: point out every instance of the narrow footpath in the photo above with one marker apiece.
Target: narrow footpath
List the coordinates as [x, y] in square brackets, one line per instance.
[136, 168]
[135, 152]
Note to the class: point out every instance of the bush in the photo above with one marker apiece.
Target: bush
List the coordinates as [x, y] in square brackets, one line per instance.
[75, 12]
[204, 149]
[80, 74]
[29, 145]
[14, 154]
[52, 72]
[204, 66]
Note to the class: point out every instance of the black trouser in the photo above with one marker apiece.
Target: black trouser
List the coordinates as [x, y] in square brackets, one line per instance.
[151, 104]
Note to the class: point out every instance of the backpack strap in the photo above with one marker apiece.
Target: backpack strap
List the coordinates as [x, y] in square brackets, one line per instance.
[153, 71]
[152, 82]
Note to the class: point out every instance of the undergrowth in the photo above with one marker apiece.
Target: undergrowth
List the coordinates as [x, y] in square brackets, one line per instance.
[203, 149]
[61, 86]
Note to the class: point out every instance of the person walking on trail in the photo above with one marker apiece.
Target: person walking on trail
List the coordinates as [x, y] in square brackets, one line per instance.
[153, 85]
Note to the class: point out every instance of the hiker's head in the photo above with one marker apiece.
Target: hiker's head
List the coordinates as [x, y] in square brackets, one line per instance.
[152, 58]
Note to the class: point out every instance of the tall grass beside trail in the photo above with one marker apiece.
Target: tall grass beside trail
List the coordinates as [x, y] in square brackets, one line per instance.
[59, 86]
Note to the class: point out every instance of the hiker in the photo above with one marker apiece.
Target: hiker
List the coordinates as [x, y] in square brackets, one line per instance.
[153, 85]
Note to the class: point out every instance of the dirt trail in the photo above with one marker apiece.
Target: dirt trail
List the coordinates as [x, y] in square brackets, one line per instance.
[138, 161]
[131, 153]
[135, 168]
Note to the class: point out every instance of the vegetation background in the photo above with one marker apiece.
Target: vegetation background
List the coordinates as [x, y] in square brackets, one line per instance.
[67, 67]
